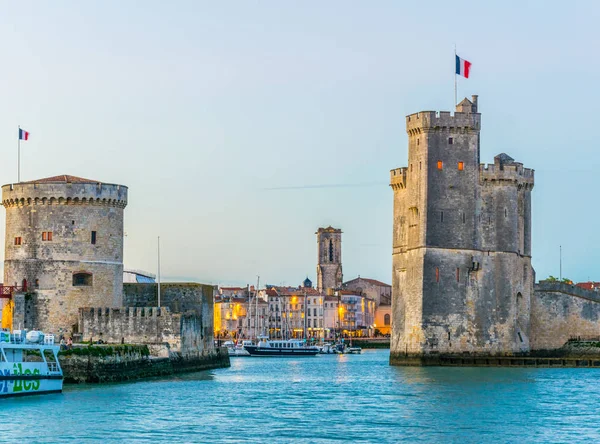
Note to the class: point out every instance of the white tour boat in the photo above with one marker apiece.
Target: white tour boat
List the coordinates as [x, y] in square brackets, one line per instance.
[282, 348]
[28, 364]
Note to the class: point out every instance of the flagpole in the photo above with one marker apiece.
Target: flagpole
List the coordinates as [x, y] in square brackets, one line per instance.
[455, 93]
[19, 156]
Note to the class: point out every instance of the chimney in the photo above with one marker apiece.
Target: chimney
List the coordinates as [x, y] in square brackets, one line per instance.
[474, 100]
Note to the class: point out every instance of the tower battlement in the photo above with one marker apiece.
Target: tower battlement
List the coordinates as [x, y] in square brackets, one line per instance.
[465, 117]
[398, 178]
[67, 190]
[505, 169]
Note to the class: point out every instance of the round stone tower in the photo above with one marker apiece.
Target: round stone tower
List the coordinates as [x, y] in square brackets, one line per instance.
[64, 244]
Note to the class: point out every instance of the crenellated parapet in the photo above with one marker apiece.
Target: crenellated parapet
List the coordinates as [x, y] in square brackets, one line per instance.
[513, 173]
[426, 121]
[398, 178]
[57, 193]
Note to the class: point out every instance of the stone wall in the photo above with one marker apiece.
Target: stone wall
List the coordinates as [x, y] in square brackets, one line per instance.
[70, 212]
[99, 365]
[177, 297]
[560, 312]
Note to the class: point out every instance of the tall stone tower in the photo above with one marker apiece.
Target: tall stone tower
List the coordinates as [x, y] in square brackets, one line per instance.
[64, 243]
[329, 258]
[462, 277]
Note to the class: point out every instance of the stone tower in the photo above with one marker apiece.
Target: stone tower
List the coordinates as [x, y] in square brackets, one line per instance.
[64, 242]
[329, 258]
[462, 277]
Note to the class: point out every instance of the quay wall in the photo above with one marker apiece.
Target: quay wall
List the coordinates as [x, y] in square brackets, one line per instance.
[560, 312]
[187, 333]
[123, 363]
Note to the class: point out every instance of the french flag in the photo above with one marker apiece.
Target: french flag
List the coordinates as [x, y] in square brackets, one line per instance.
[23, 135]
[463, 67]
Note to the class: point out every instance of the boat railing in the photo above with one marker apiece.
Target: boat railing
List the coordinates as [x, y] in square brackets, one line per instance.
[53, 367]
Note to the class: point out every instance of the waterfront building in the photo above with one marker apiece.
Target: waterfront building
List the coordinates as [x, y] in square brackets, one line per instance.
[64, 246]
[461, 242]
[383, 320]
[376, 290]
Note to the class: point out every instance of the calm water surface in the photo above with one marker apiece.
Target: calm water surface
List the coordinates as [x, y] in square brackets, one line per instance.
[356, 398]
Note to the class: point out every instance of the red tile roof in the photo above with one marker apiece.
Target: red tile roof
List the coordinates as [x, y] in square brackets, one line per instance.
[589, 285]
[63, 178]
[370, 281]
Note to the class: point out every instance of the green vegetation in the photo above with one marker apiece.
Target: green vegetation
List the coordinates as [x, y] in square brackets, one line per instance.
[555, 279]
[106, 350]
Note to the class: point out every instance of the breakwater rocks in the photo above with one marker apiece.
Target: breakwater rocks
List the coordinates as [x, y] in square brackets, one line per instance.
[114, 363]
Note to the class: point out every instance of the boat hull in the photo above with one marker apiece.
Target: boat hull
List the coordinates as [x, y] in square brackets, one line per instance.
[280, 352]
[22, 385]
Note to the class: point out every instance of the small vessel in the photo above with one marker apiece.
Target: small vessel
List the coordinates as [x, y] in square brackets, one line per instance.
[353, 350]
[29, 364]
[237, 349]
[282, 348]
[326, 348]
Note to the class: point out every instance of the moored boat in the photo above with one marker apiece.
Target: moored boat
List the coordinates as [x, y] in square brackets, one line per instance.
[282, 348]
[29, 364]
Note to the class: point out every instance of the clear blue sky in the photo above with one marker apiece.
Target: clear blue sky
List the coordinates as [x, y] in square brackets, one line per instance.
[201, 107]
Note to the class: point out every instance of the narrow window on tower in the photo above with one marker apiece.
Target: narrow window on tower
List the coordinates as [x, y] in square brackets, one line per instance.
[440, 164]
[461, 166]
[93, 238]
[450, 140]
[441, 216]
[437, 274]
[419, 166]
[417, 141]
[18, 240]
[505, 212]
[330, 250]
[464, 217]
[458, 275]
[411, 167]
[44, 236]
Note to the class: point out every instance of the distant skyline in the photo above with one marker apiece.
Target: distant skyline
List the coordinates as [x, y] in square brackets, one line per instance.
[241, 128]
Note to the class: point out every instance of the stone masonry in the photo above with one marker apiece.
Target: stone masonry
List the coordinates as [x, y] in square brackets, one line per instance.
[462, 278]
[329, 258]
[64, 242]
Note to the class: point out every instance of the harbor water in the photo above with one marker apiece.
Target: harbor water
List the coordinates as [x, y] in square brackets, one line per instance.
[353, 398]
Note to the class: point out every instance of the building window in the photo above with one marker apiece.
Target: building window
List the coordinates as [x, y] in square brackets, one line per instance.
[458, 275]
[441, 216]
[440, 165]
[18, 240]
[386, 319]
[437, 274]
[46, 236]
[461, 166]
[93, 238]
[82, 279]
[464, 218]
[450, 140]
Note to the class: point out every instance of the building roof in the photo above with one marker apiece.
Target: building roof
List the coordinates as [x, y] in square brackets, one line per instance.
[370, 281]
[589, 285]
[63, 178]
[233, 288]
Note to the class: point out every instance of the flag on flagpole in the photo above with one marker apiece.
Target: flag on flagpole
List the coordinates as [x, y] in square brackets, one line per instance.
[463, 67]
[23, 135]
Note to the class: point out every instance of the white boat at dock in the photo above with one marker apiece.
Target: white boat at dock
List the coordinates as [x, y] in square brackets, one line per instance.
[237, 349]
[29, 364]
[282, 348]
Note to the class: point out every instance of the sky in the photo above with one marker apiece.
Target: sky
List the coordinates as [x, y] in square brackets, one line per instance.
[242, 127]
